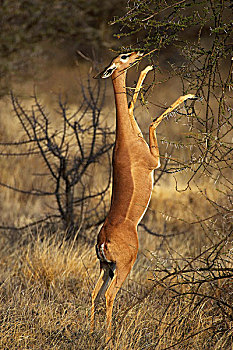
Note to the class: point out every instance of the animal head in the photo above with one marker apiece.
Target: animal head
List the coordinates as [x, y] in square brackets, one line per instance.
[120, 63]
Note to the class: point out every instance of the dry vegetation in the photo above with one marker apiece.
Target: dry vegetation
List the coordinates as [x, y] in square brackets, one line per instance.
[178, 296]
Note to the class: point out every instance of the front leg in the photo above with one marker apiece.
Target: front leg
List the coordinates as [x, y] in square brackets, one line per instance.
[142, 76]
[153, 144]
[154, 149]
[181, 99]
[138, 87]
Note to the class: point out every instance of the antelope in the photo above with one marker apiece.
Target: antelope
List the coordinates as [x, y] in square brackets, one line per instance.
[133, 164]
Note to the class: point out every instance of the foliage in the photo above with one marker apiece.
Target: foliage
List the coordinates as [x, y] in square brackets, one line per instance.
[159, 24]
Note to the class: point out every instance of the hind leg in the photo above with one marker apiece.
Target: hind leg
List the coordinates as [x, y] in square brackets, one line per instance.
[99, 290]
[122, 271]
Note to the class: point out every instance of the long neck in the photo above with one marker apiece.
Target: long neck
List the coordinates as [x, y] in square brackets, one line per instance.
[122, 112]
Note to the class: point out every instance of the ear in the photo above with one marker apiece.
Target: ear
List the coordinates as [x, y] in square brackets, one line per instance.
[108, 71]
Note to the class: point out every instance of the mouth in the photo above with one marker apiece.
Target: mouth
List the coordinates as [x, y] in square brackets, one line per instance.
[139, 57]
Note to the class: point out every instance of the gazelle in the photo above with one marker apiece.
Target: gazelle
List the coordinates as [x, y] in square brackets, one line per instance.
[133, 164]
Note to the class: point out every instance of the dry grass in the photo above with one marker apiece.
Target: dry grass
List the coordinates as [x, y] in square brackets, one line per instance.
[46, 285]
[44, 295]
[178, 295]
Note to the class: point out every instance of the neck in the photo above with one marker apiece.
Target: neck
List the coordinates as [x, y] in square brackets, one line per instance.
[122, 112]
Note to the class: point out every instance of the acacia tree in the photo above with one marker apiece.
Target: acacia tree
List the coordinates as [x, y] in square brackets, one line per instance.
[199, 36]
